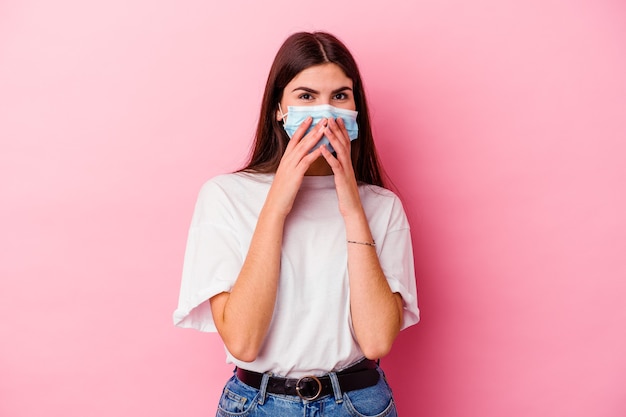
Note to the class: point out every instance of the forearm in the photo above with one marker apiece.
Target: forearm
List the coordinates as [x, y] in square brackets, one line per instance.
[243, 316]
[376, 310]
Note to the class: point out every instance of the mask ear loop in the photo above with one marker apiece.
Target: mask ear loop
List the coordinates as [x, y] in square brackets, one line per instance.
[282, 115]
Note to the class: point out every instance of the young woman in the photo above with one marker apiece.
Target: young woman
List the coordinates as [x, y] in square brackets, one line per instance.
[302, 261]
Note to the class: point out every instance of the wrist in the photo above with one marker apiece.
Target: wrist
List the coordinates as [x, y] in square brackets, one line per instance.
[355, 216]
[273, 213]
[368, 243]
[358, 228]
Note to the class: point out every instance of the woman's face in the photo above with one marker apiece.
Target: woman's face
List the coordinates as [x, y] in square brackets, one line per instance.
[319, 84]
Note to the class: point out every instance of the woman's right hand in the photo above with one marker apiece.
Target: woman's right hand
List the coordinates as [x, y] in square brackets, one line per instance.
[243, 315]
[293, 165]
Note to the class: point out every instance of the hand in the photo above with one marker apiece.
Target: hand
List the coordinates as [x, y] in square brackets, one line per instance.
[345, 181]
[293, 165]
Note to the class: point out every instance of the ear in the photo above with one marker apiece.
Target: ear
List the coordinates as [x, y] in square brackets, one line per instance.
[280, 116]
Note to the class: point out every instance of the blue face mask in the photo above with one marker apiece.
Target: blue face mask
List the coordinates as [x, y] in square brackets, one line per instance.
[297, 114]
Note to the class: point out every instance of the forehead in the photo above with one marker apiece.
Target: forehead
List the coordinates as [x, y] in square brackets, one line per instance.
[320, 77]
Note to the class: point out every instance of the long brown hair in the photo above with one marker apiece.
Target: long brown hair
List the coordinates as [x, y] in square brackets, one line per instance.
[300, 51]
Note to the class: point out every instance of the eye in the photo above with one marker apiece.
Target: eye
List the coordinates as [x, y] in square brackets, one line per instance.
[340, 96]
[305, 96]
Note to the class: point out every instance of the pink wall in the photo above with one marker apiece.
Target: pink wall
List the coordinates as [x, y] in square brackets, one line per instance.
[502, 123]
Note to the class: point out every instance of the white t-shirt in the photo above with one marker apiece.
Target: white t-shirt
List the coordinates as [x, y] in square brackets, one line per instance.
[311, 330]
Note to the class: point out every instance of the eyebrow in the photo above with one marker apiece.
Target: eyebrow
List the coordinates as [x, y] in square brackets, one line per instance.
[310, 90]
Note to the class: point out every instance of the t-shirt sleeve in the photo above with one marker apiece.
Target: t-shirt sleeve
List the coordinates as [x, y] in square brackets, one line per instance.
[212, 261]
[396, 259]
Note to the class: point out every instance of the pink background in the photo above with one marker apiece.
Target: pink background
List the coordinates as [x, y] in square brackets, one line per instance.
[503, 124]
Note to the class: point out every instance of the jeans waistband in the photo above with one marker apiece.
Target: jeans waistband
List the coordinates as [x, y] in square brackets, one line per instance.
[358, 376]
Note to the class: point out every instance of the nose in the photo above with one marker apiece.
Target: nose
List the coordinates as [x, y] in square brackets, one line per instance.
[324, 99]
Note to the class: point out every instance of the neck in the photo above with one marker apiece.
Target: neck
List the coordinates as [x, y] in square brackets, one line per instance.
[319, 167]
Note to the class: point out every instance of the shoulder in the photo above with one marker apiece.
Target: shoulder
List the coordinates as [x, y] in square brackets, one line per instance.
[226, 196]
[236, 182]
[239, 178]
[379, 194]
[381, 202]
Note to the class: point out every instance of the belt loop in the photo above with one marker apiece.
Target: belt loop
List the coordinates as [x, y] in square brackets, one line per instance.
[263, 387]
[336, 388]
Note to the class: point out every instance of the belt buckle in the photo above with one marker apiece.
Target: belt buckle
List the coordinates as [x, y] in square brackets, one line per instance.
[305, 395]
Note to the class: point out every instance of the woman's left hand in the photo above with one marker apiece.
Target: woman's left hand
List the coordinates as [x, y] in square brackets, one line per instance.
[376, 310]
[345, 181]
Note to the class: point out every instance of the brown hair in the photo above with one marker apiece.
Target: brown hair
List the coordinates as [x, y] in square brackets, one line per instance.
[300, 51]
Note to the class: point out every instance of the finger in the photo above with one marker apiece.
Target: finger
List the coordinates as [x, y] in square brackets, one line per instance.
[307, 160]
[294, 166]
[333, 162]
[338, 139]
[342, 126]
[296, 153]
[297, 135]
[339, 128]
[313, 136]
[299, 146]
[344, 132]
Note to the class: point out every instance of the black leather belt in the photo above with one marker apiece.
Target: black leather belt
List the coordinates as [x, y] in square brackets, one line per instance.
[361, 375]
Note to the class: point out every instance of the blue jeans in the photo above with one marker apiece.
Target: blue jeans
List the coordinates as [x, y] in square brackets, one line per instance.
[241, 400]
